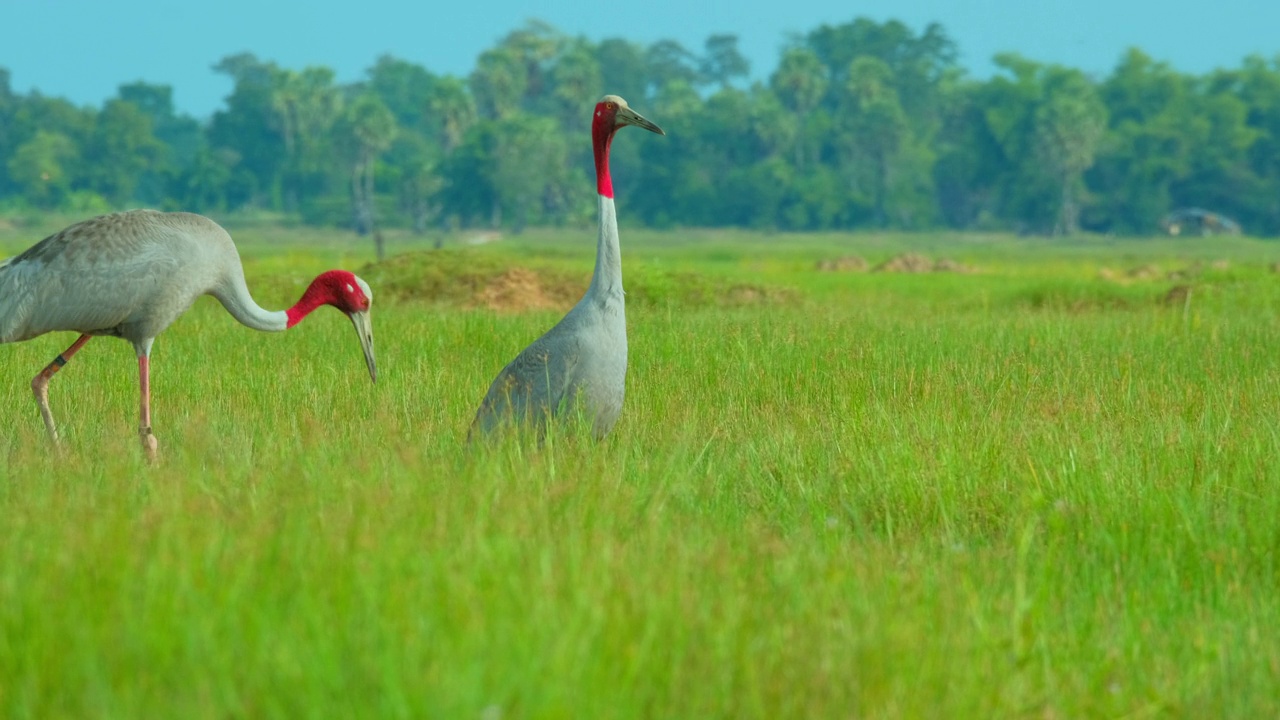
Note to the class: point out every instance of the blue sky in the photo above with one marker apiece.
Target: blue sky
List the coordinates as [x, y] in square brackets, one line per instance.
[84, 49]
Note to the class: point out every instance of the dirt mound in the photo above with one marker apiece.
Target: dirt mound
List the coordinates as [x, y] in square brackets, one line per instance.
[949, 265]
[1190, 272]
[906, 263]
[848, 263]
[1178, 296]
[462, 278]
[1144, 272]
[520, 289]
[917, 263]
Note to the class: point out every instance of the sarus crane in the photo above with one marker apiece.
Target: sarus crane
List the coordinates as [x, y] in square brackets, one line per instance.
[580, 365]
[130, 275]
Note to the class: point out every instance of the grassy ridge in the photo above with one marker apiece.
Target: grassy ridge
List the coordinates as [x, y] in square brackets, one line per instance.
[899, 496]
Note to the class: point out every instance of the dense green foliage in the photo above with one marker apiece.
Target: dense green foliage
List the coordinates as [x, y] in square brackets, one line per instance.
[1029, 490]
[862, 124]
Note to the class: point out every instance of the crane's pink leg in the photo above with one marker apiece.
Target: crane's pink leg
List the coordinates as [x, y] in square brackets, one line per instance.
[40, 383]
[149, 442]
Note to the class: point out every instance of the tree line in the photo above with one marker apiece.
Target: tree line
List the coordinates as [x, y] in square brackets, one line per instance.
[859, 125]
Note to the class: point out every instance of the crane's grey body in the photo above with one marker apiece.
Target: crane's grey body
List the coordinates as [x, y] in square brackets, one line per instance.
[578, 366]
[130, 275]
[127, 275]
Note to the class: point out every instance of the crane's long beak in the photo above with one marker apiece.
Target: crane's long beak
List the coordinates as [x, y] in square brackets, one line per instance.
[627, 116]
[364, 328]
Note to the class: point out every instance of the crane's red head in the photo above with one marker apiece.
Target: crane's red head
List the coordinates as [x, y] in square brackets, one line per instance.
[349, 294]
[612, 113]
[338, 288]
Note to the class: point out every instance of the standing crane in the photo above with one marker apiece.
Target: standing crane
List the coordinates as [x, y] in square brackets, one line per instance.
[581, 363]
[130, 275]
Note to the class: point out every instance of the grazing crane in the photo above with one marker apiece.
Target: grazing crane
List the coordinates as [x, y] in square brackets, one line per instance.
[581, 362]
[130, 274]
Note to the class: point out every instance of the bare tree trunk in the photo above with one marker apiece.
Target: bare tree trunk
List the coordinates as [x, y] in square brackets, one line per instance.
[371, 209]
[420, 215]
[357, 199]
[288, 176]
[882, 189]
[1068, 213]
[800, 139]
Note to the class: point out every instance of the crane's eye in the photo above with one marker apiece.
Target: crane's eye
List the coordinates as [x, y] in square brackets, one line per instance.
[610, 106]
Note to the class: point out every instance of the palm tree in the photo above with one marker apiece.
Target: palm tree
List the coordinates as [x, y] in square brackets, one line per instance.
[800, 82]
[371, 127]
[304, 105]
[454, 111]
[878, 124]
[1069, 124]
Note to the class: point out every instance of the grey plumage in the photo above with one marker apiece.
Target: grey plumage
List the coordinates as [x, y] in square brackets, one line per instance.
[580, 364]
[98, 277]
[130, 275]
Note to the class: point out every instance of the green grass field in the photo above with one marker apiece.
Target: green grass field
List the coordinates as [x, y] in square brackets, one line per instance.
[1026, 491]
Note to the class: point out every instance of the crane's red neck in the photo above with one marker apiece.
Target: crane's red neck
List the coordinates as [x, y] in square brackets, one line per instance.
[338, 288]
[603, 126]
